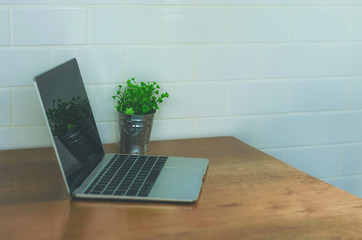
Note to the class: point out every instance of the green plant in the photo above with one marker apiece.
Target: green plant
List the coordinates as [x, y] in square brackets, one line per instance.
[139, 99]
[65, 116]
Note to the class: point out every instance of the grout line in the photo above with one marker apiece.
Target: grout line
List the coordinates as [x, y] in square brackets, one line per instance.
[192, 128]
[188, 44]
[10, 17]
[289, 94]
[193, 64]
[87, 13]
[350, 25]
[291, 17]
[341, 177]
[260, 51]
[51, 57]
[11, 108]
[285, 155]
[321, 55]
[125, 53]
[316, 128]
[342, 161]
[160, 20]
[348, 92]
[228, 27]
[256, 131]
[226, 102]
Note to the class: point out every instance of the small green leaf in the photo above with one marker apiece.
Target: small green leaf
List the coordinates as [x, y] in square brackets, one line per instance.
[129, 111]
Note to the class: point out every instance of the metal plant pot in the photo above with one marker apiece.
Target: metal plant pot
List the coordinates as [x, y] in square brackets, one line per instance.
[135, 132]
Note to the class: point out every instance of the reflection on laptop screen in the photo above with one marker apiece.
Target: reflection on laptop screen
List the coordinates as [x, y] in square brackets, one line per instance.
[71, 121]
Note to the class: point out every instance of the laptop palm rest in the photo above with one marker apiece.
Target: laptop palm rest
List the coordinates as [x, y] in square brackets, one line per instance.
[178, 183]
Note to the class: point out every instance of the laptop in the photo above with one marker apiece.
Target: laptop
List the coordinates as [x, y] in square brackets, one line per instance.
[91, 173]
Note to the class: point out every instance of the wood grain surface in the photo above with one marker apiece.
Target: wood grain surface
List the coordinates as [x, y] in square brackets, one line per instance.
[246, 195]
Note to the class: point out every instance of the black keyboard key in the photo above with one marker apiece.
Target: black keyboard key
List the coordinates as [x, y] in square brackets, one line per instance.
[153, 176]
[120, 192]
[107, 192]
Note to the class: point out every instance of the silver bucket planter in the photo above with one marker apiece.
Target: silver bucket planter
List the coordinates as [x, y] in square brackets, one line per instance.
[135, 132]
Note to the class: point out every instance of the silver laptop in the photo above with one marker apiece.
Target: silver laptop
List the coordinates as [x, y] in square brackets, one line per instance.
[87, 170]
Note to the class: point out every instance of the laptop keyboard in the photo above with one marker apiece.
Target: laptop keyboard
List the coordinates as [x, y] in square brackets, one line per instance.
[127, 175]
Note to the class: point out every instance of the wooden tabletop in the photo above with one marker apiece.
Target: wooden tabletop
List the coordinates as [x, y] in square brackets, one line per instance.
[246, 195]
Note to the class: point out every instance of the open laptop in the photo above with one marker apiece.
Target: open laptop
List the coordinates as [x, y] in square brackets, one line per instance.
[88, 171]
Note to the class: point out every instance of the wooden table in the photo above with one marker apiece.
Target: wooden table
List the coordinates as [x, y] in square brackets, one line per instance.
[246, 195]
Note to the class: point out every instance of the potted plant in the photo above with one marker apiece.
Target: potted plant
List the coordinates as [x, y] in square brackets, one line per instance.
[70, 123]
[137, 104]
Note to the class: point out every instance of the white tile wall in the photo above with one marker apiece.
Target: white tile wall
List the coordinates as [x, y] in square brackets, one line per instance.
[281, 75]
[4, 27]
[19, 66]
[108, 132]
[32, 26]
[286, 131]
[194, 25]
[5, 106]
[259, 24]
[102, 103]
[349, 184]
[159, 2]
[203, 100]
[302, 60]
[277, 153]
[26, 107]
[355, 97]
[317, 161]
[12, 2]
[228, 2]
[226, 62]
[20, 137]
[321, 24]
[357, 24]
[341, 127]
[343, 2]
[352, 159]
[318, 95]
[293, 2]
[243, 128]
[342, 59]
[171, 129]
[116, 25]
[98, 65]
[91, 2]
[161, 64]
[256, 97]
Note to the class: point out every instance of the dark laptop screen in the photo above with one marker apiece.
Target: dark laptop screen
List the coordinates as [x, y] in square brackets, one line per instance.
[71, 121]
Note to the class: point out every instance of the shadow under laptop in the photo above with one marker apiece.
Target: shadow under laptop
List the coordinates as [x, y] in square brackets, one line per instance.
[117, 203]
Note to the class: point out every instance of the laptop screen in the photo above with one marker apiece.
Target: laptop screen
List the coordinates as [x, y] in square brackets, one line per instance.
[70, 119]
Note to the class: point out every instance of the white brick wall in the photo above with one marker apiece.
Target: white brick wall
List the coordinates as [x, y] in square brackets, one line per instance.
[282, 75]
[225, 62]
[48, 26]
[123, 25]
[194, 25]
[254, 24]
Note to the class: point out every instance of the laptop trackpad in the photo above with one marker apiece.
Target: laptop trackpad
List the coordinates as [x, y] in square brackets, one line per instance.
[177, 183]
